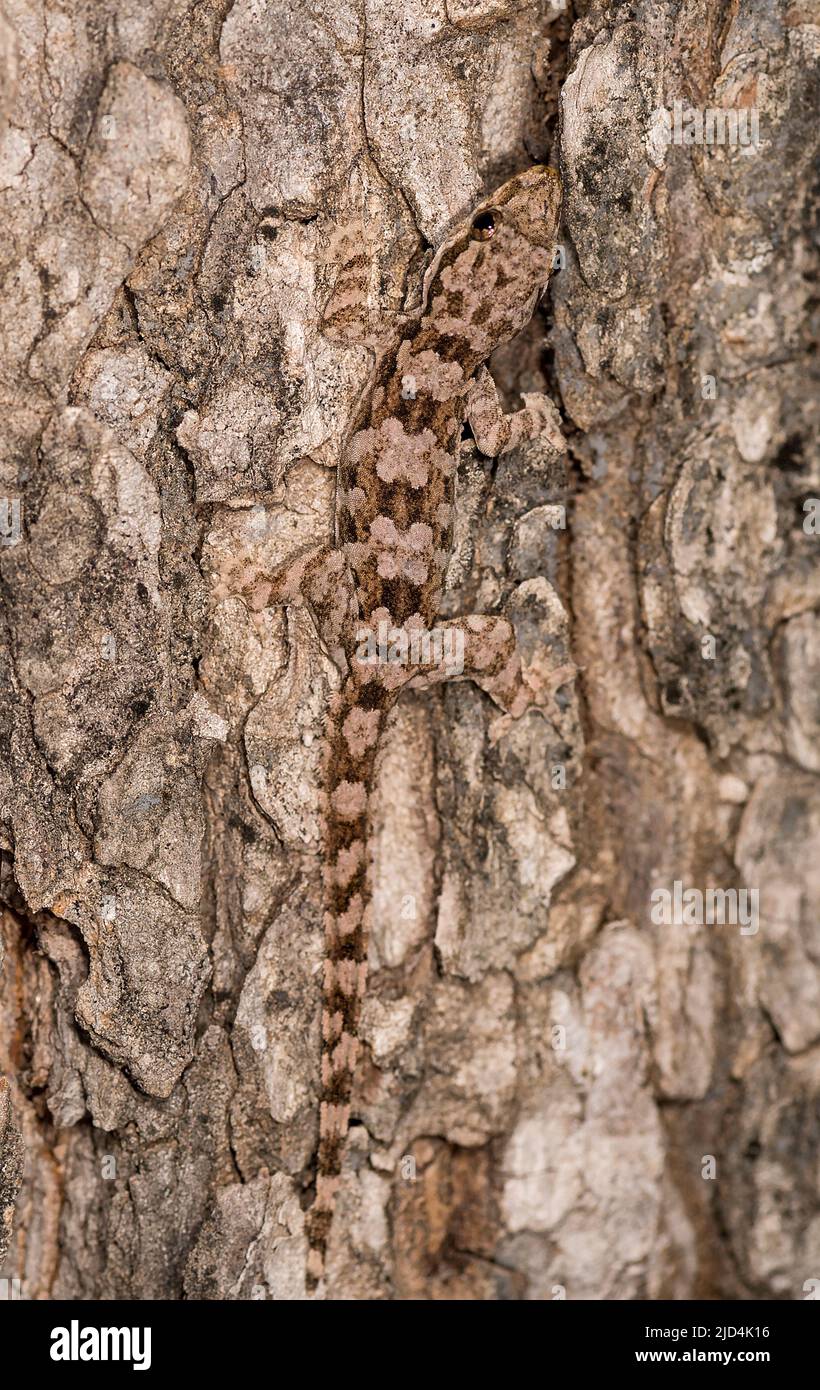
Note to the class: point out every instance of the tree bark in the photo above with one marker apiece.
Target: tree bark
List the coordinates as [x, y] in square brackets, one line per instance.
[210, 212]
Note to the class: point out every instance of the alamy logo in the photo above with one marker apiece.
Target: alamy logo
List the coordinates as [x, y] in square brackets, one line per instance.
[692, 907]
[444, 646]
[10, 525]
[715, 125]
[75, 1343]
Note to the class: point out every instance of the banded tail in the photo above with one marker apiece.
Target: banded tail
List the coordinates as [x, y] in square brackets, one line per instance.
[356, 719]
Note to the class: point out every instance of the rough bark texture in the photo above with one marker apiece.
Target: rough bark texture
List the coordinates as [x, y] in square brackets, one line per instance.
[187, 191]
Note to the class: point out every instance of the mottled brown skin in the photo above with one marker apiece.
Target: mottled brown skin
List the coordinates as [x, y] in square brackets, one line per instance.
[394, 533]
[478, 294]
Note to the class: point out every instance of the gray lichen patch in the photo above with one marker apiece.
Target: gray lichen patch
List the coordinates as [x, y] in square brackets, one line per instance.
[87, 633]
[296, 83]
[148, 968]
[251, 1246]
[776, 854]
[137, 157]
[149, 816]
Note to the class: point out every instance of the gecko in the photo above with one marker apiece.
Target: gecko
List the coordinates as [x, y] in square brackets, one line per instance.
[393, 534]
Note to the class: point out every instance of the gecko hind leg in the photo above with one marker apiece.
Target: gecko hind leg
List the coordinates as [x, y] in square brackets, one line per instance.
[288, 582]
[321, 577]
[497, 433]
[483, 648]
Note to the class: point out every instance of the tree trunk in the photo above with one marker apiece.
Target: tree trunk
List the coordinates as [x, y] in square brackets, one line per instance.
[574, 1082]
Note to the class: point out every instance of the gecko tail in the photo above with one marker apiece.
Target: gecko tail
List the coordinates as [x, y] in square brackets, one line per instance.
[355, 721]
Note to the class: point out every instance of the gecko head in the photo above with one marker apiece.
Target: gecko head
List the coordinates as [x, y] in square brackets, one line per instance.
[521, 218]
[487, 277]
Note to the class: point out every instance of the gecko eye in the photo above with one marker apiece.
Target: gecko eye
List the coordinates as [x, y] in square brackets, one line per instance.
[484, 225]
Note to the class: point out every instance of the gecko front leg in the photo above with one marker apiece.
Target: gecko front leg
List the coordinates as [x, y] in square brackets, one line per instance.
[497, 433]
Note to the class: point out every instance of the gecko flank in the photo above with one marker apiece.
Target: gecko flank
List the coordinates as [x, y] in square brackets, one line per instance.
[394, 536]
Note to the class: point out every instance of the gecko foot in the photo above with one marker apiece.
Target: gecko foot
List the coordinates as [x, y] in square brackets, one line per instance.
[497, 433]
